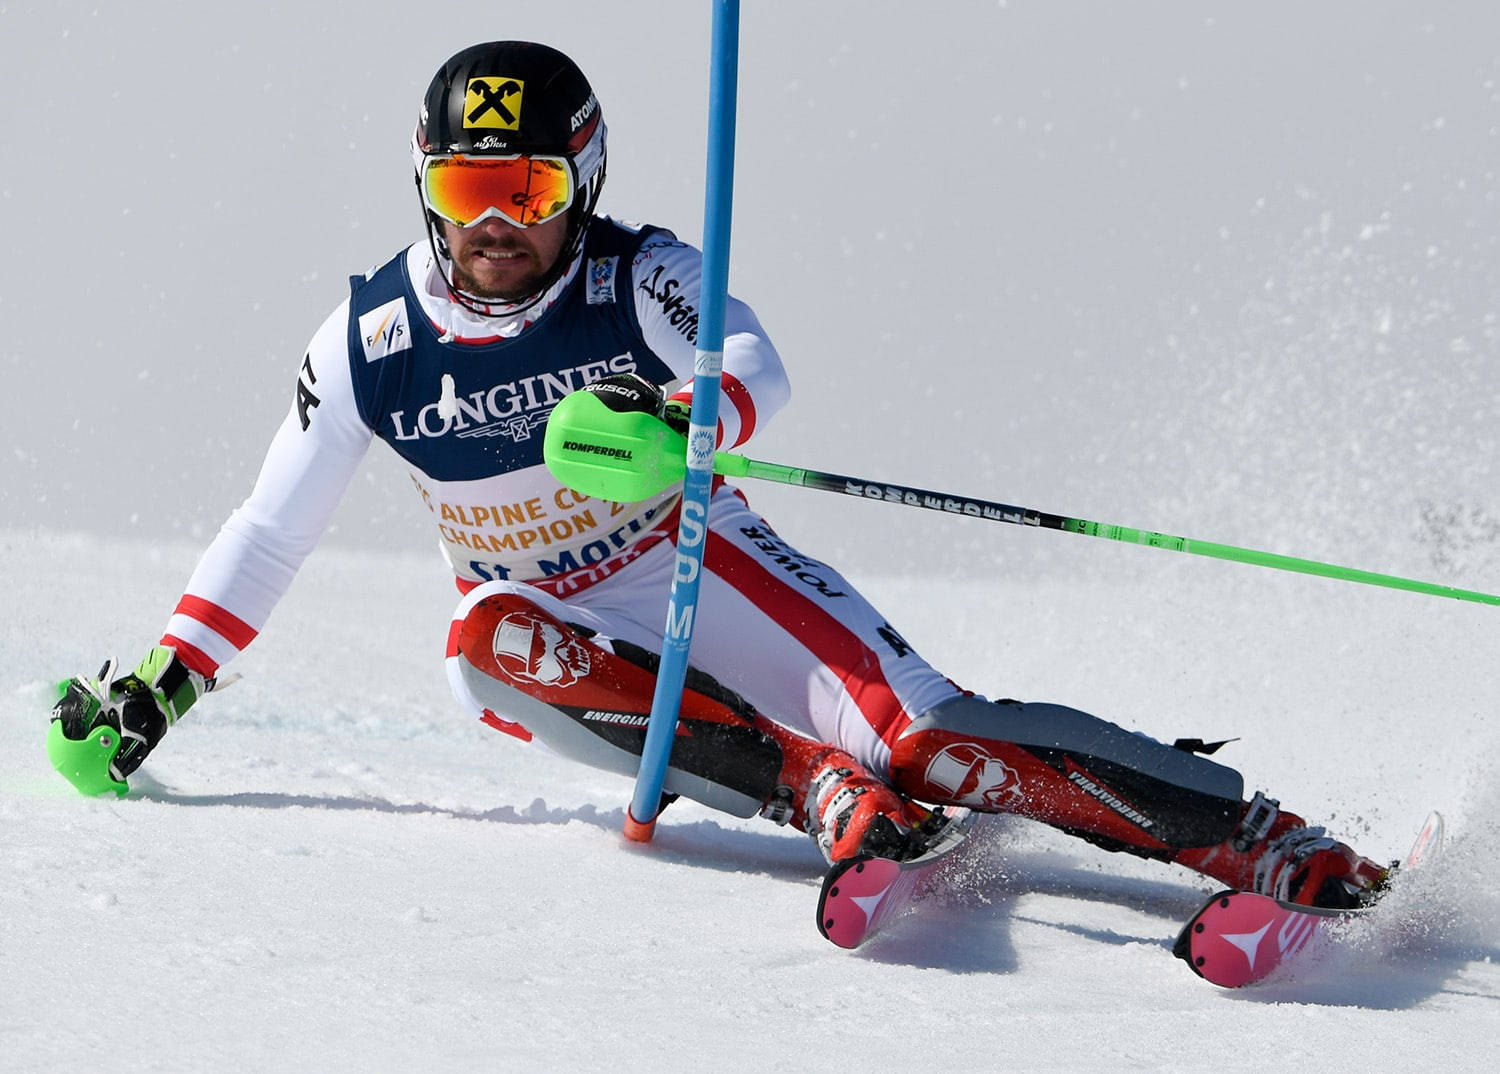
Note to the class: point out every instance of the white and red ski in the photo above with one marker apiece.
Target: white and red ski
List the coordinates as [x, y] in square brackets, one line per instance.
[864, 894]
[1240, 937]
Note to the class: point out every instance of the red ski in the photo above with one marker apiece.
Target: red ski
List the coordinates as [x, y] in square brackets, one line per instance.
[864, 894]
[1239, 937]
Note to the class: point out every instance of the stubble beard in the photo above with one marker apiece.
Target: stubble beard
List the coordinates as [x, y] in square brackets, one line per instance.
[469, 284]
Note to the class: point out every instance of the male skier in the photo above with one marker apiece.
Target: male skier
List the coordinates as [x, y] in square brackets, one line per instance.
[804, 703]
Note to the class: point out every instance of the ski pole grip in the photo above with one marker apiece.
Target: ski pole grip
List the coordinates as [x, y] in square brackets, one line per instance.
[624, 456]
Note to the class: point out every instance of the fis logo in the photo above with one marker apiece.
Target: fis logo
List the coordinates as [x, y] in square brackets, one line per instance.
[384, 330]
[494, 102]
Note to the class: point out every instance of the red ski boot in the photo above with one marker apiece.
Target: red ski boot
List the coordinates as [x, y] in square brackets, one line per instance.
[851, 812]
[1278, 854]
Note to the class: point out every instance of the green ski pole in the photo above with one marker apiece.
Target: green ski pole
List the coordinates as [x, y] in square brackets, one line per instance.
[739, 466]
[629, 457]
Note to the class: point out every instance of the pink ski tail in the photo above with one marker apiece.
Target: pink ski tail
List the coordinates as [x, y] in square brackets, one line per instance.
[863, 898]
[1240, 938]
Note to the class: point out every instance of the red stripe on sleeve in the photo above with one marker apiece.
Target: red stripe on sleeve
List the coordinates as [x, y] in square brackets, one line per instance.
[740, 400]
[735, 391]
[229, 626]
[195, 658]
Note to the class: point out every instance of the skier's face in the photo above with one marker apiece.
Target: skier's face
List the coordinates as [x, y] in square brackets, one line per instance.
[494, 259]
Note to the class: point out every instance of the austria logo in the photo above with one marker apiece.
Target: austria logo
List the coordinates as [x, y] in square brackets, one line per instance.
[970, 776]
[384, 330]
[528, 648]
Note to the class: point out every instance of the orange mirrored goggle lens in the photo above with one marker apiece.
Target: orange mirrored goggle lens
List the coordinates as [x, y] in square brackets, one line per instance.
[524, 190]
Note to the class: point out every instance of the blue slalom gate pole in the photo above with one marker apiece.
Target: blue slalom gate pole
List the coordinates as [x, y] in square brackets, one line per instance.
[703, 420]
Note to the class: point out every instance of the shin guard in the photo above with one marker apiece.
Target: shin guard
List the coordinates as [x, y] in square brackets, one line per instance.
[588, 698]
[1120, 790]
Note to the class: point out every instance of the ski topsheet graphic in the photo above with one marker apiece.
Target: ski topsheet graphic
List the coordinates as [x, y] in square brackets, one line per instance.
[1240, 938]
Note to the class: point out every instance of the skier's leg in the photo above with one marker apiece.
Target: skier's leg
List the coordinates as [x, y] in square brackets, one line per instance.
[1069, 769]
[1122, 791]
[796, 639]
[530, 665]
[793, 637]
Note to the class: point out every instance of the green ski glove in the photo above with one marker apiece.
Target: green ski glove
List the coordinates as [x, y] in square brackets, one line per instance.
[103, 727]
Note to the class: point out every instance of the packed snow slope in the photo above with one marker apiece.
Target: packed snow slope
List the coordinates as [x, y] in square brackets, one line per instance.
[326, 866]
[1221, 271]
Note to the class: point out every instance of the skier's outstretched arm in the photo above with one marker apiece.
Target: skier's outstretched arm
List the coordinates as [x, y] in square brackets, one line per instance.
[241, 576]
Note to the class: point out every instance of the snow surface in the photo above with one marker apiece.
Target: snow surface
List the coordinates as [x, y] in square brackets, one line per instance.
[1224, 271]
[325, 867]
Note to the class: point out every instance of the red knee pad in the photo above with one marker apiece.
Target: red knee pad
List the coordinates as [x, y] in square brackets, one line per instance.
[595, 699]
[516, 642]
[992, 776]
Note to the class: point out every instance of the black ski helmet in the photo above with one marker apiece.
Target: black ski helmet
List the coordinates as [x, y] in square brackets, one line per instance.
[509, 97]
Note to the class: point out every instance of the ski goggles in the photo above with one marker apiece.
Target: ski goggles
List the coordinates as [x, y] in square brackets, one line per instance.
[522, 190]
